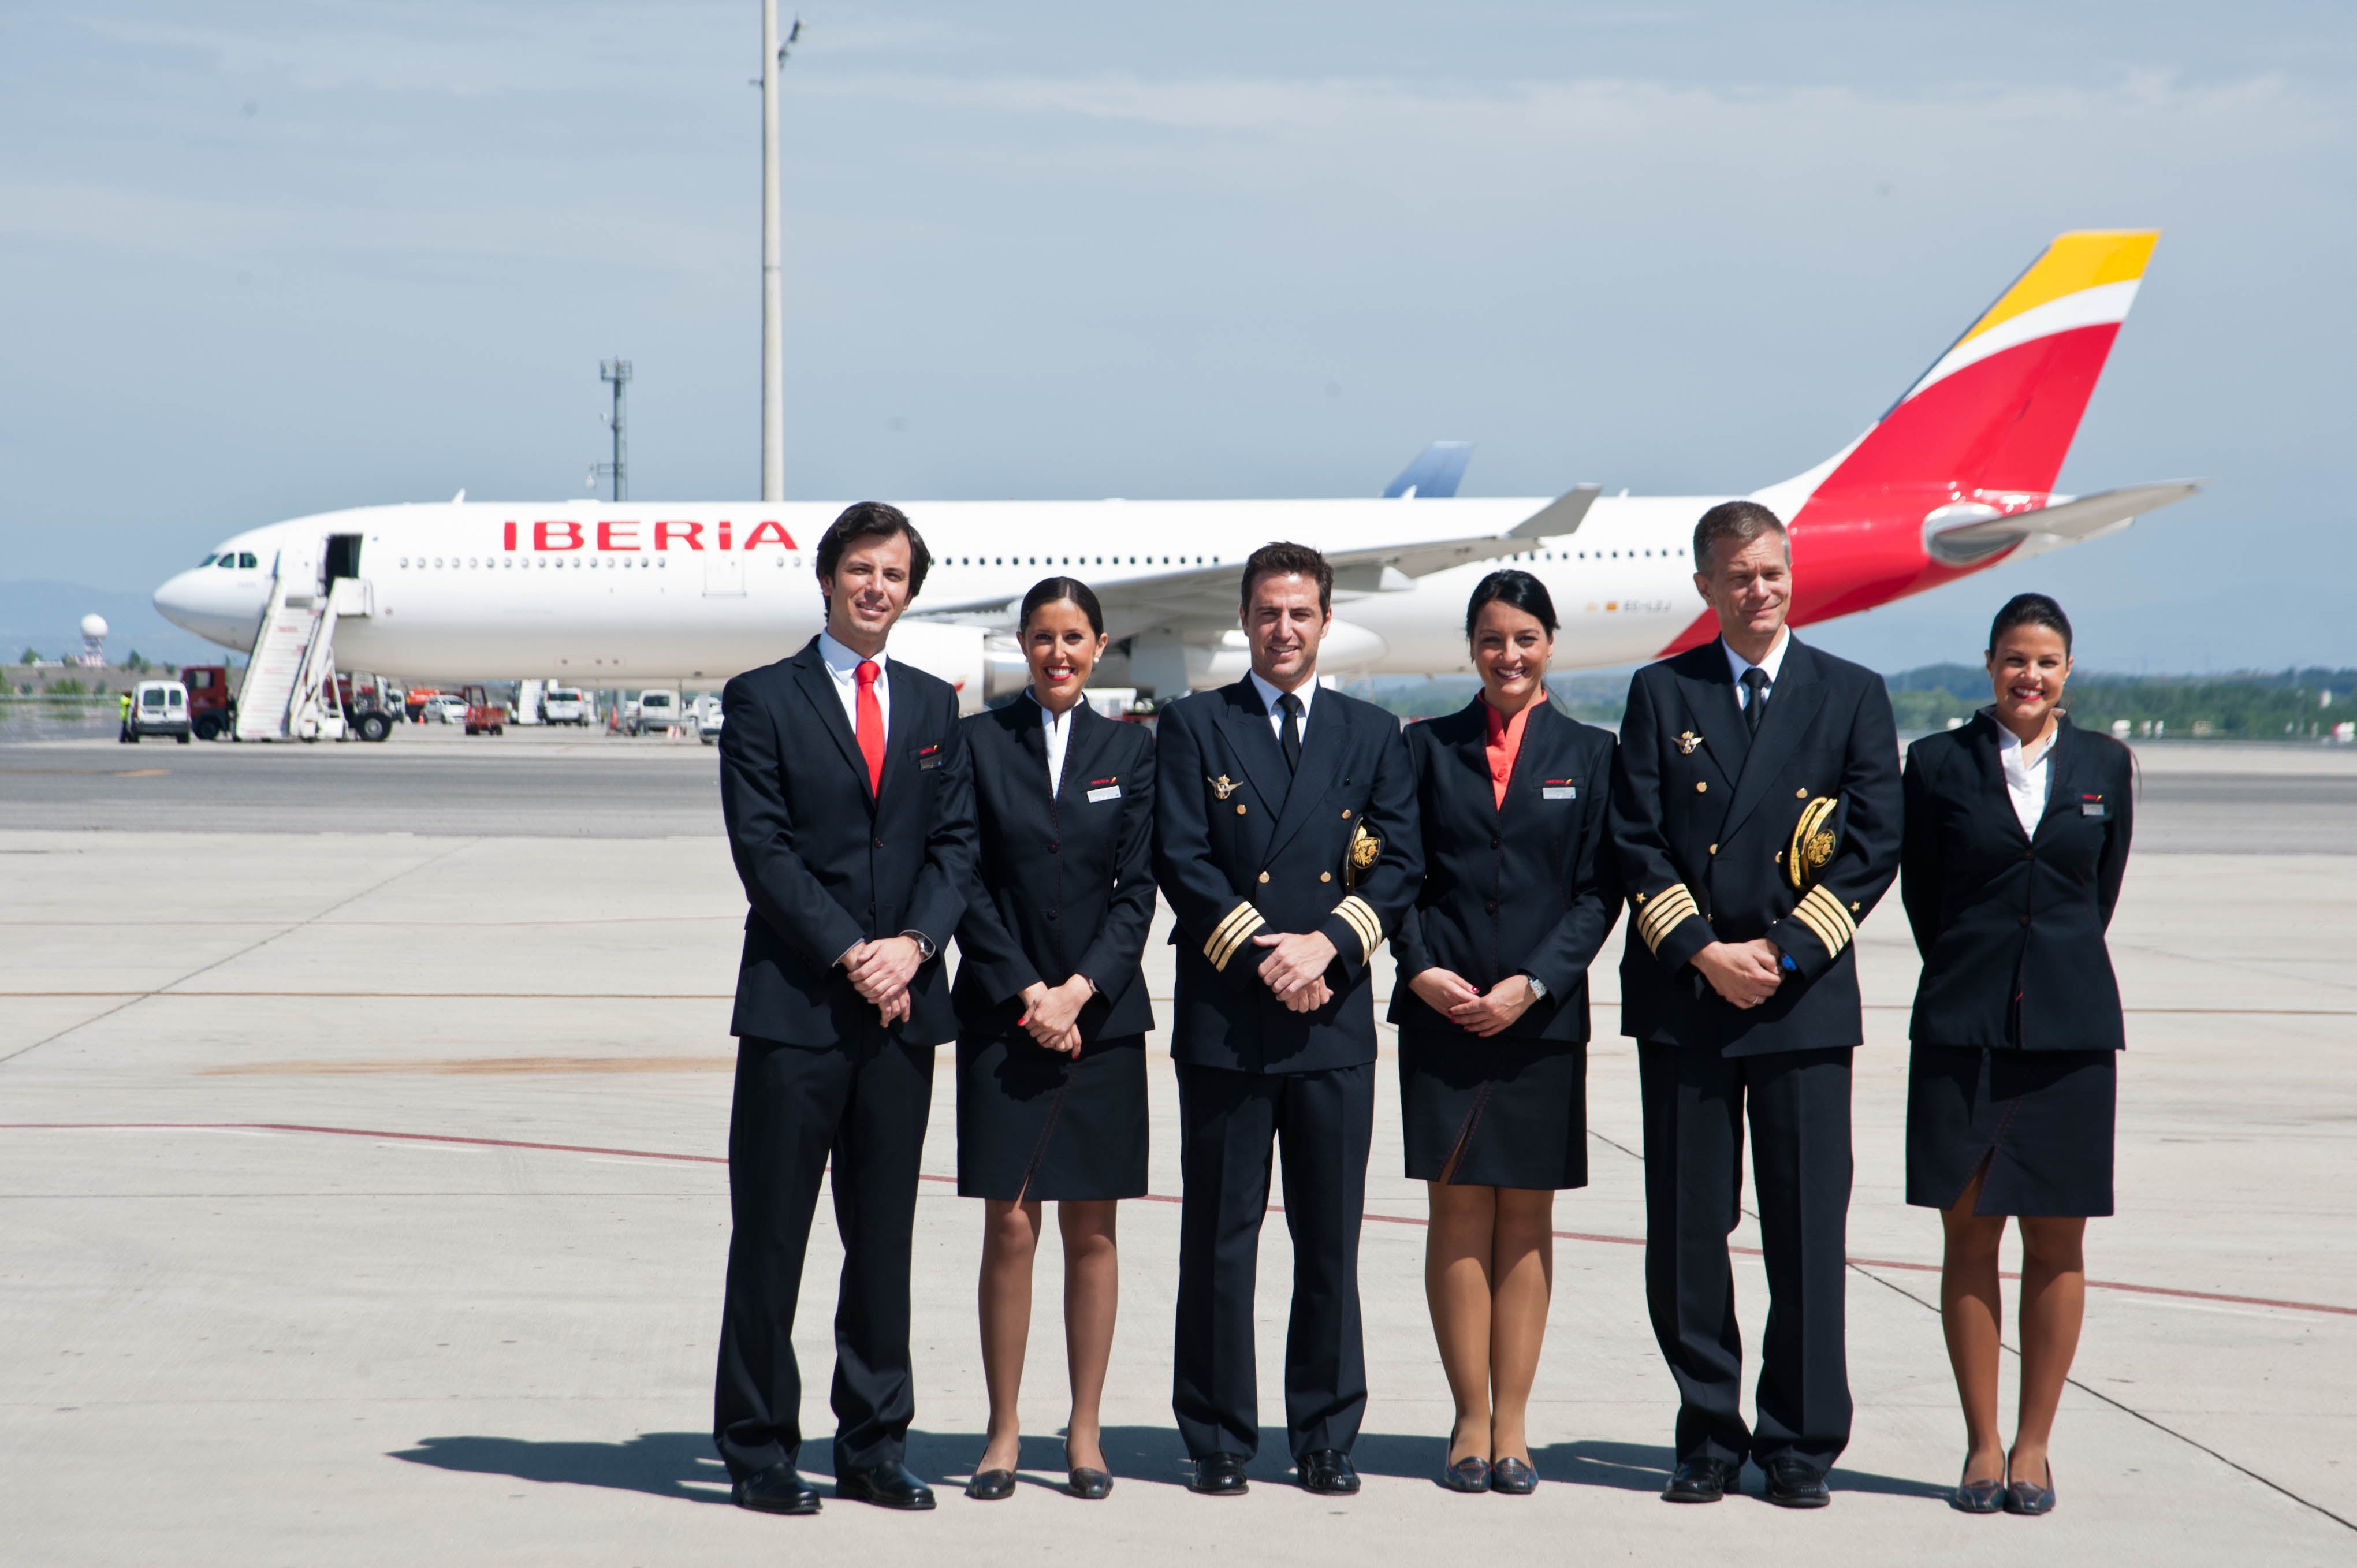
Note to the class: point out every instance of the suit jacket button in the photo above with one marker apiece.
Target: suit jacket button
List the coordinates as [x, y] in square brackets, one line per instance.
[1325, 876]
[1800, 794]
[1052, 914]
[2025, 920]
[2030, 854]
[1240, 807]
[1700, 787]
[1493, 844]
[1714, 849]
[879, 843]
[1055, 849]
[1346, 812]
[1492, 907]
[1263, 877]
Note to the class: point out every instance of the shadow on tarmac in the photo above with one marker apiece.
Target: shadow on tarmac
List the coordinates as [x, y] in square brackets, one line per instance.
[682, 1465]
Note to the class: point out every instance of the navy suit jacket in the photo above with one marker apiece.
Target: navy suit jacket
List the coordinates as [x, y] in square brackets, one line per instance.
[1703, 819]
[826, 864]
[1528, 887]
[1243, 846]
[2001, 914]
[1064, 883]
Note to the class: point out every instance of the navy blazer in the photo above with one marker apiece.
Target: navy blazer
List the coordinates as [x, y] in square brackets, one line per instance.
[1702, 818]
[1525, 888]
[2001, 914]
[1064, 883]
[826, 863]
[1242, 845]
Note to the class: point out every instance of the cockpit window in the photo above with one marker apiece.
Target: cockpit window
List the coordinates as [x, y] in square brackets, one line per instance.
[228, 562]
[207, 561]
[247, 561]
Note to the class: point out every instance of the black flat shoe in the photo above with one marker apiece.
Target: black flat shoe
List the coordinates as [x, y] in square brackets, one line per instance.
[1793, 1485]
[1978, 1496]
[778, 1489]
[1470, 1474]
[1084, 1482]
[2028, 1498]
[1328, 1472]
[1219, 1475]
[1700, 1480]
[991, 1486]
[891, 1484]
[1515, 1478]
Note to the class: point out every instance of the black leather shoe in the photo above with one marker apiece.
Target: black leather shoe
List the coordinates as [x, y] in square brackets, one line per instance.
[1515, 1478]
[778, 1489]
[991, 1486]
[1701, 1480]
[1328, 1472]
[1083, 1481]
[2028, 1496]
[1219, 1475]
[1793, 1485]
[1470, 1474]
[891, 1484]
[1977, 1497]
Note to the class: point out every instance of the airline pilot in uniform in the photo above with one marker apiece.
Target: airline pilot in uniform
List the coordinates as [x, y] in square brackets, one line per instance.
[849, 802]
[1285, 841]
[1756, 808]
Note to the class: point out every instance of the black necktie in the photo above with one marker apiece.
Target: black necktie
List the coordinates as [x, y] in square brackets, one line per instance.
[1291, 734]
[1755, 680]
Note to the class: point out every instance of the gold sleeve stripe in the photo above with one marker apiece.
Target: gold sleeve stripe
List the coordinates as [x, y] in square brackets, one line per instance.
[1365, 921]
[1664, 913]
[1232, 933]
[1823, 915]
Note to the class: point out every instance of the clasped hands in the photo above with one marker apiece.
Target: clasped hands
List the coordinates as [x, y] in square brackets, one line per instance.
[1295, 968]
[1746, 973]
[1051, 1012]
[880, 972]
[1478, 1011]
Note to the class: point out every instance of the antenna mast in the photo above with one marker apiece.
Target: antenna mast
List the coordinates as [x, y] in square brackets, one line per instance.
[773, 411]
[617, 374]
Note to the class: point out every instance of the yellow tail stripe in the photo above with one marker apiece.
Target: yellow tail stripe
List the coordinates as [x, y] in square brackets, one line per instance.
[2083, 259]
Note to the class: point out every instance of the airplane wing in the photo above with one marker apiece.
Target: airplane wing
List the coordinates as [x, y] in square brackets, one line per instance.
[1977, 533]
[1206, 596]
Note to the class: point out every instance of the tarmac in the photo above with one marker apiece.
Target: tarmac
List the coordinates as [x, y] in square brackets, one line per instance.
[361, 1200]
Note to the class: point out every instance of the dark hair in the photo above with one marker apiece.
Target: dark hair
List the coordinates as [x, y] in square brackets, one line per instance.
[1736, 522]
[1517, 589]
[1285, 560]
[1054, 590]
[873, 519]
[2031, 609]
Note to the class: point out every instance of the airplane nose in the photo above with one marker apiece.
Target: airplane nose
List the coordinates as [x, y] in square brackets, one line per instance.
[213, 603]
[176, 601]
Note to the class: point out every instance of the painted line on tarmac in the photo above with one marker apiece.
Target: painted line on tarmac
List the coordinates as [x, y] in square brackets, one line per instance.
[464, 1142]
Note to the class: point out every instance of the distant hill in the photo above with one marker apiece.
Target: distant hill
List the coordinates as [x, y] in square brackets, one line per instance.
[47, 618]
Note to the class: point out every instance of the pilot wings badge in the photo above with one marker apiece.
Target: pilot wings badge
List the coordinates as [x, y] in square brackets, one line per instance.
[1222, 786]
[1365, 850]
[1686, 742]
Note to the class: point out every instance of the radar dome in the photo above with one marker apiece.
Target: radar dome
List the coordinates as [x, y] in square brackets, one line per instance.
[93, 626]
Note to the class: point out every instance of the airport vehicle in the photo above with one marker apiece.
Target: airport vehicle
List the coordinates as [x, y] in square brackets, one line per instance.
[444, 708]
[654, 709]
[705, 717]
[368, 705]
[565, 705]
[479, 714]
[158, 707]
[212, 708]
[1956, 476]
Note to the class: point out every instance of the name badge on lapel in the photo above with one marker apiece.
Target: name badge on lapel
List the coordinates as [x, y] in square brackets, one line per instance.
[1558, 790]
[930, 756]
[1104, 789]
[2091, 806]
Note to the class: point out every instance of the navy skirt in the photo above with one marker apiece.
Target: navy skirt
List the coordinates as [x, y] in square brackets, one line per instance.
[1479, 1112]
[1037, 1125]
[2042, 1121]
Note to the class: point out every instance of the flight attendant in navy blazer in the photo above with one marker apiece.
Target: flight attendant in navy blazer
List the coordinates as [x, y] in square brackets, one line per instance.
[1519, 891]
[1052, 1013]
[2017, 839]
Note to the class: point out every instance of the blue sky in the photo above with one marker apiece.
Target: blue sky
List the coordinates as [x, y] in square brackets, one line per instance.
[272, 259]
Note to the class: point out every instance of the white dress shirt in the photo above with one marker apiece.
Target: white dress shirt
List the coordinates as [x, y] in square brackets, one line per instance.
[1059, 730]
[1772, 666]
[2027, 777]
[1268, 699]
[843, 663]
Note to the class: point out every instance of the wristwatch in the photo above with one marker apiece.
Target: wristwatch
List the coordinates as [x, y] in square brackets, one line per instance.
[924, 945]
[1538, 987]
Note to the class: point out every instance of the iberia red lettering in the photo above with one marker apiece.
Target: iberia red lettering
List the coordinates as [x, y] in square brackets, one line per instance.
[691, 534]
[507, 536]
[723, 534]
[608, 539]
[544, 535]
[768, 531]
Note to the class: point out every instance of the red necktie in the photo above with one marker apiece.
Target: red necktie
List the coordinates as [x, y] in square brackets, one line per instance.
[871, 725]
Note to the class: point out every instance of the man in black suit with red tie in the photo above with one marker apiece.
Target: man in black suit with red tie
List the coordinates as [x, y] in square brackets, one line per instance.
[849, 802]
[1286, 841]
[1755, 807]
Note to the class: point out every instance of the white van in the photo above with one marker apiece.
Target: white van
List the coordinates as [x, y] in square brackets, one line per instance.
[158, 707]
[565, 705]
[657, 710]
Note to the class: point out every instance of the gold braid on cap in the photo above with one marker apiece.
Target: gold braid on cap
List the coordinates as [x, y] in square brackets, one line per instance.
[1812, 842]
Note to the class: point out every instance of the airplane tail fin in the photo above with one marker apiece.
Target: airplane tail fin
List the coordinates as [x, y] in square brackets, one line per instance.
[1996, 411]
[1436, 472]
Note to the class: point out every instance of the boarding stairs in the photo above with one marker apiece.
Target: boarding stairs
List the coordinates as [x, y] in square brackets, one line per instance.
[289, 692]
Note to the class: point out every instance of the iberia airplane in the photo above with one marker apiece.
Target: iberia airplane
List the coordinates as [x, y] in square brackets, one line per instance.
[1955, 476]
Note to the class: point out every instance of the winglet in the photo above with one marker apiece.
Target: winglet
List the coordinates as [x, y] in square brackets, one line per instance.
[1560, 516]
[1435, 474]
